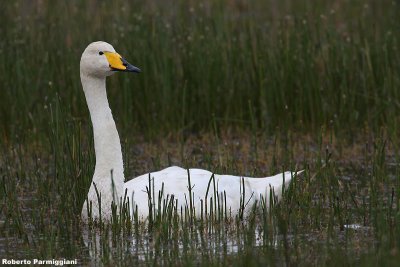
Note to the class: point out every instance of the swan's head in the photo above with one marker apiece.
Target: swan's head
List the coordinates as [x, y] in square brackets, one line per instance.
[100, 60]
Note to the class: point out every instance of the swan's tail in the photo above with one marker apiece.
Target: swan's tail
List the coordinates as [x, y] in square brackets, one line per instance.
[276, 184]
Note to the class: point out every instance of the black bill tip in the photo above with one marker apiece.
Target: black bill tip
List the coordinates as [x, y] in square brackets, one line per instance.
[130, 67]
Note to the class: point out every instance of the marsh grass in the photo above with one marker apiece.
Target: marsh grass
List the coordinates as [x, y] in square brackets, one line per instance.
[245, 87]
[252, 65]
[309, 226]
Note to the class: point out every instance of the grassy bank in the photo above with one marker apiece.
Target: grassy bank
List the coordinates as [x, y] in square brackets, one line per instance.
[241, 87]
[289, 65]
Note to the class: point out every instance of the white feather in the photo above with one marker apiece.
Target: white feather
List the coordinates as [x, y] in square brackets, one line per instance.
[109, 178]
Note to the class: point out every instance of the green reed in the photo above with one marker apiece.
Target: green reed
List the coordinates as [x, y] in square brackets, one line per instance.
[273, 69]
[297, 66]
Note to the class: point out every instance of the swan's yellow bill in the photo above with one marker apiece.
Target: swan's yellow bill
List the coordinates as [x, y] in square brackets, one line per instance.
[115, 60]
[118, 63]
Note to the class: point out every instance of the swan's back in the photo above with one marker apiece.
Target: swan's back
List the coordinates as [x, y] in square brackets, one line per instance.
[174, 181]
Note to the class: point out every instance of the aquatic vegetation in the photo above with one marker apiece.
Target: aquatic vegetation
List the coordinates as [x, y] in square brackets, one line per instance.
[246, 87]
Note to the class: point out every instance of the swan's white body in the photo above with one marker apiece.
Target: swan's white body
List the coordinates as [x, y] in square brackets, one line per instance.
[98, 61]
[174, 181]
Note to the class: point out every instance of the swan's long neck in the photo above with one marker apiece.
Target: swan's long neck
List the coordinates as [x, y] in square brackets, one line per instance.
[109, 171]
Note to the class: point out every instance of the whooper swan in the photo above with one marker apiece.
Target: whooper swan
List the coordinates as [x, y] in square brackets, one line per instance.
[100, 60]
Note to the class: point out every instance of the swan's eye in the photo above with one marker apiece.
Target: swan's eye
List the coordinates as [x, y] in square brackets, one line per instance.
[101, 53]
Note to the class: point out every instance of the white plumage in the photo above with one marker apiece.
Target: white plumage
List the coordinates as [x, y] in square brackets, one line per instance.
[100, 60]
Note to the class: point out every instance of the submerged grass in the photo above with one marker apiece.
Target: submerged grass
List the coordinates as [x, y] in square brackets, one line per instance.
[341, 211]
[245, 87]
